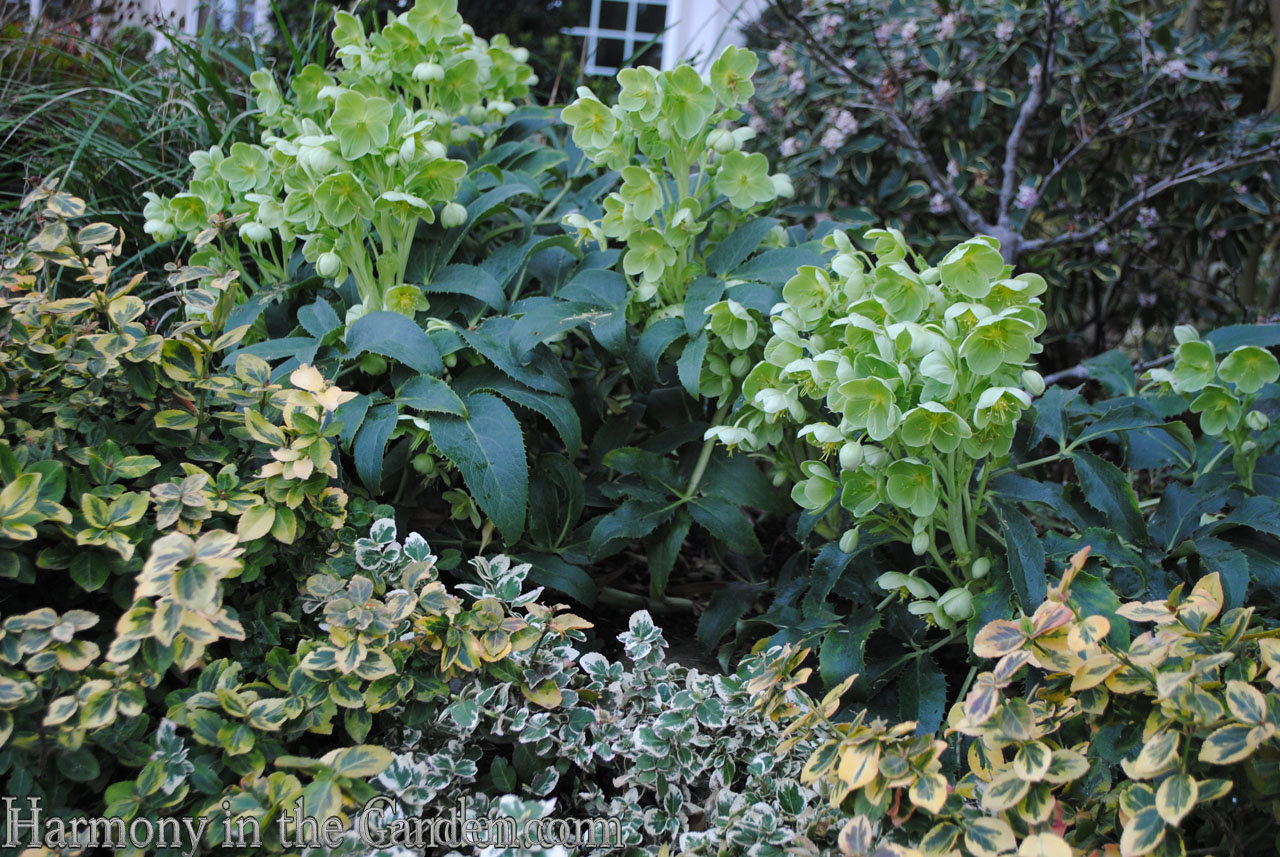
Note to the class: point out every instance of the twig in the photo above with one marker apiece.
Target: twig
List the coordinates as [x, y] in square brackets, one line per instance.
[1080, 372]
[915, 149]
[1195, 172]
[1035, 98]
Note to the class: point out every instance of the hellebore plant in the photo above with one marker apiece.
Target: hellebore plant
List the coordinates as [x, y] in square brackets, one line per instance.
[1223, 393]
[351, 162]
[670, 139]
[905, 382]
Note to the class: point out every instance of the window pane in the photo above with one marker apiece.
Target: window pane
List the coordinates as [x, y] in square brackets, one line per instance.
[610, 53]
[613, 15]
[651, 18]
[652, 55]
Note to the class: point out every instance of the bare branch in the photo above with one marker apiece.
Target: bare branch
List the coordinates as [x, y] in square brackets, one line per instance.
[908, 137]
[1195, 172]
[1035, 98]
[1080, 372]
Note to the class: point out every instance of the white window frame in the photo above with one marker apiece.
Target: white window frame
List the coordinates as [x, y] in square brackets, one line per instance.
[629, 37]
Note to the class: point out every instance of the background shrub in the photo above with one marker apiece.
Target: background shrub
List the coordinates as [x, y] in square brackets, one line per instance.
[1123, 150]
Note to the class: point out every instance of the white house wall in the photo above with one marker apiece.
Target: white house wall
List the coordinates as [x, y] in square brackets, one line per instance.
[698, 30]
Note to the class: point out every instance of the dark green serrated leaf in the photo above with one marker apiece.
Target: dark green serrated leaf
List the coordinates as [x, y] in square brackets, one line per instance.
[735, 247]
[1026, 556]
[1107, 489]
[370, 445]
[922, 694]
[396, 336]
[726, 522]
[425, 393]
[488, 449]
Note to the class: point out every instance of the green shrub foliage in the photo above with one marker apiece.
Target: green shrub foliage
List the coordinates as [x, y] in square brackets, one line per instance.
[1161, 742]
[415, 306]
[1063, 129]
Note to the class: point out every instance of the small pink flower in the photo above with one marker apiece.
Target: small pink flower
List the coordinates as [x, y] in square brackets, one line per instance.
[938, 204]
[941, 89]
[1004, 30]
[797, 82]
[757, 124]
[909, 31]
[947, 26]
[1026, 197]
[1148, 217]
[1102, 246]
[789, 147]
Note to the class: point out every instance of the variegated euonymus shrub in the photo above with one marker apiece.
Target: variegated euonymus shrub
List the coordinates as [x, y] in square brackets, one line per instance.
[889, 393]
[352, 161]
[680, 758]
[1082, 739]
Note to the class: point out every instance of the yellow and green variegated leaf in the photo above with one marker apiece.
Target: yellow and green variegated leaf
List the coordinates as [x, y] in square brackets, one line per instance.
[1142, 834]
[1032, 761]
[362, 760]
[95, 233]
[376, 665]
[194, 587]
[859, 764]
[1157, 755]
[1044, 845]
[999, 638]
[1212, 789]
[267, 714]
[1146, 611]
[176, 420]
[1136, 798]
[820, 762]
[197, 630]
[19, 497]
[236, 739]
[989, 837]
[167, 553]
[13, 692]
[385, 693]
[1038, 805]
[939, 841]
[256, 522]
[929, 791]
[261, 430]
[61, 710]
[350, 657]
[857, 837]
[1066, 766]
[125, 309]
[98, 710]
[166, 621]
[231, 702]
[1004, 792]
[320, 660]
[1230, 744]
[547, 694]
[284, 528]
[1246, 702]
[1127, 681]
[323, 799]
[1088, 632]
[345, 692]
[1176, 797]
[982, 701]
[1094, 671]
[77, 655]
